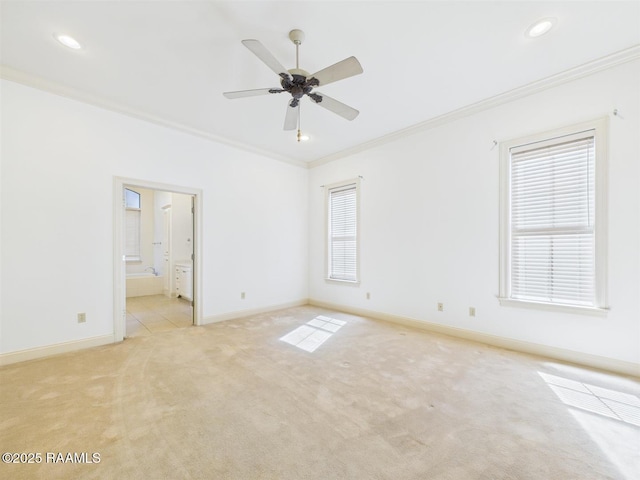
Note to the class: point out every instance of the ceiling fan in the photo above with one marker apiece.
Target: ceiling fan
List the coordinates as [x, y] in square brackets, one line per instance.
[298, 82]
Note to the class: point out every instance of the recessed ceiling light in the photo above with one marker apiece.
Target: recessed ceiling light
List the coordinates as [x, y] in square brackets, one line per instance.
[540, 27]
[68, 41]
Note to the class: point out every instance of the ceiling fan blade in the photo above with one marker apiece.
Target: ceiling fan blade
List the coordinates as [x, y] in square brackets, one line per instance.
[345, 111]
[291, 117]
[247, 93]
[265, 55]
[338, 71]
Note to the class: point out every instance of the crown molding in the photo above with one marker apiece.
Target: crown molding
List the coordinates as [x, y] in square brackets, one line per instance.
[581, 71]
[572, 74]
[34, 81]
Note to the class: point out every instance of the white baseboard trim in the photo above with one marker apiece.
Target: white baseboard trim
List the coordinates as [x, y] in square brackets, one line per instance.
[49, 350]
[222, 317]
[571, 356]
[56, 349]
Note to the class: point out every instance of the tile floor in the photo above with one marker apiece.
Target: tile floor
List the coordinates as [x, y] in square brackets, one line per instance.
[156, 313]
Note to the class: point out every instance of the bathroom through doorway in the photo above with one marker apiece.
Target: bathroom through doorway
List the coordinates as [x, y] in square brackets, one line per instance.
[157, 264]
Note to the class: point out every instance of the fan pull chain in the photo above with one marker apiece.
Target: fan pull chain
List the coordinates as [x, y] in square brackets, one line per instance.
[297, 44]
[301, 136]
[299, 107]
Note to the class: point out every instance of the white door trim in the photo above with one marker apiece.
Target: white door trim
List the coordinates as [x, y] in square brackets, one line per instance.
[119, 266]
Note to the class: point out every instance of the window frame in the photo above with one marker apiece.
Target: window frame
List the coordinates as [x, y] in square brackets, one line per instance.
[328, 254]
[600, 301]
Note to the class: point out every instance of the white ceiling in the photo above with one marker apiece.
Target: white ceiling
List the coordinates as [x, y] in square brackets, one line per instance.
[170, 61]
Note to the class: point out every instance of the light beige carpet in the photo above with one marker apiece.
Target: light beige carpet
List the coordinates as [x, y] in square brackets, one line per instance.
[374, 401]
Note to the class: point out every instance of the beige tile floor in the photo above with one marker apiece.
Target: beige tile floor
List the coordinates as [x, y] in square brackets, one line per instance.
[156, 313]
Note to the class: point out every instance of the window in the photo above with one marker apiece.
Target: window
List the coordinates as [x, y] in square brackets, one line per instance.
[553, 218]
[342, 240]
[132, 227]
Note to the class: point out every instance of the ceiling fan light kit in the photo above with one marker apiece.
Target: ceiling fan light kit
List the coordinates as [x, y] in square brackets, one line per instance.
[298, 82]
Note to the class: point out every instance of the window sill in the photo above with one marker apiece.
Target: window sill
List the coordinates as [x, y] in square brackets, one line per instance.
[555, 307]
[337, 281]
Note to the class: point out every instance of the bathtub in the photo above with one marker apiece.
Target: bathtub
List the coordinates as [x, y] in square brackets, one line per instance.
[140, 284]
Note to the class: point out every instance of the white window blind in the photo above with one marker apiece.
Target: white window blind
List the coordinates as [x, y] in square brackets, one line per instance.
[552, 235]
[132, 234]
[343, 233]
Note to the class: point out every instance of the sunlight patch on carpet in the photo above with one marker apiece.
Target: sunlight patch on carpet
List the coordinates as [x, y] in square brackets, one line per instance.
[602, 401]
[314, 333]
[610, 417]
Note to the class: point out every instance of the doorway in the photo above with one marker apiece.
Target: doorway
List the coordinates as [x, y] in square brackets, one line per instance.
[157, 260]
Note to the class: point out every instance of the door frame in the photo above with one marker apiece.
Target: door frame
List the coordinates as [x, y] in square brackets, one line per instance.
[119, 264]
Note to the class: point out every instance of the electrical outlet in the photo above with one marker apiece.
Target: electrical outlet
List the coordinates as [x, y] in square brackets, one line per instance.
[472, 311]
[368, 296]
[441, 307]
[242, 295]
[82, 317]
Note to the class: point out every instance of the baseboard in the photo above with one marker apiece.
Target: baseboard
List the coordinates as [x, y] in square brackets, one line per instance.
[56, 349]
[580, 358]
[252, 311]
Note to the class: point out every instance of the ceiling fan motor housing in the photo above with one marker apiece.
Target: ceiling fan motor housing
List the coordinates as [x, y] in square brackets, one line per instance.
[299, 85]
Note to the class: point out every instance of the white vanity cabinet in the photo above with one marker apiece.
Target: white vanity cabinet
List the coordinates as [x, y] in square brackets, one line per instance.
[184, 280]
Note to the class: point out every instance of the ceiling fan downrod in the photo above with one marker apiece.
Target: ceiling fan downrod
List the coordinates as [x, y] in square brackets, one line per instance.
[297, 37]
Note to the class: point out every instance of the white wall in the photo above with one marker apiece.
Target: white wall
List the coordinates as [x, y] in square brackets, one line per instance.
[59, 160]
[161, 199]
[181, 227]
[429, 221]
